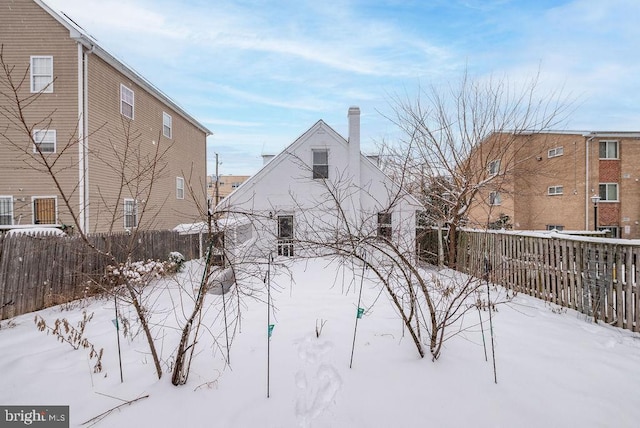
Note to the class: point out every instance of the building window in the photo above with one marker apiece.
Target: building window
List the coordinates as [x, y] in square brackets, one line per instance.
[384, 225]
[612, 231]
[126, 102]
[555, 190]
[235, 184]
[285, 235]
[555, 227]
[6, 210]
[45, 209]
[608, 192]
[179, 188]
[494, 167]
[41, 74]
[557, 151]
[130, 213]
[44, 140]
[166, 125]
[494, 198]
[608, 150]
[320, 164]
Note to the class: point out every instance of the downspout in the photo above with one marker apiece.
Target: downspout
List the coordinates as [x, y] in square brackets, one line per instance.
[586, 186]
[83, 130]
[81, 142]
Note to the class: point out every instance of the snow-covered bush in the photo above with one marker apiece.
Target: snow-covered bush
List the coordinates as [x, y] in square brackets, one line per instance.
[176, 262]
[135, 273]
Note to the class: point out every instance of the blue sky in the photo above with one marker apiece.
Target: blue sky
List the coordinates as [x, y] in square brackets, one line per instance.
[260, 73]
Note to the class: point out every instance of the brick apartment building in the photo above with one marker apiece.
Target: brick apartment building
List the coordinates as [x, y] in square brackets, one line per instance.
[226, 185]
[548, 180]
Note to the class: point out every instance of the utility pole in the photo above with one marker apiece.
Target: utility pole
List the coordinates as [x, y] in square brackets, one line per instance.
[217, 183]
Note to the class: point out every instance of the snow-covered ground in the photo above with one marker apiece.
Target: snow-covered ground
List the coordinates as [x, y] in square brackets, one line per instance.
[554, 368]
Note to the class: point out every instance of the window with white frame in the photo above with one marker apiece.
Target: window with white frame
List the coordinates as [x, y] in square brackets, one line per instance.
[494, 167]
[555, 190]
[556, 151]
[494, 198]
[235, 184]
[285, 235]
[130, 213]
[555, 227]
[384, 225]
[41, 74]
[167, 127]
[44, 140]
[179, 188]
[608, 150]
[6, 210]
[126, 101]
[612, 231]
[608, 192]
[320, 163]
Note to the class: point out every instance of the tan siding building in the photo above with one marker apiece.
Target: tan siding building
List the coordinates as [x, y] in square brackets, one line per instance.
[553, 177]
[123, 154]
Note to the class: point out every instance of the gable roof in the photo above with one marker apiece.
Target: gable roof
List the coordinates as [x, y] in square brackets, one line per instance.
[78, 34]
[298, 142]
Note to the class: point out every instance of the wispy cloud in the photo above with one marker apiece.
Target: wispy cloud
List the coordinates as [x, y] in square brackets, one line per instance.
[273, 67]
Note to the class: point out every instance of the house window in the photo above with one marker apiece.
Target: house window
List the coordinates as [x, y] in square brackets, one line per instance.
[179, 188]
[130, 213]
[384, 225]
[285, 235]
[6, 210]
[555, 190]
[126, 102]
[320, 164]
[235, 185]
[44, 140]
[608, 150]
[41, 74]
[555, 227]
[44, 209]
[494, 167]
[558, 151]
[166, 125]
[608, 192]
[494, 198]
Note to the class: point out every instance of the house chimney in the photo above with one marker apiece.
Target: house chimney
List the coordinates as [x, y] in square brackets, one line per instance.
[266, 159]
[354, 144]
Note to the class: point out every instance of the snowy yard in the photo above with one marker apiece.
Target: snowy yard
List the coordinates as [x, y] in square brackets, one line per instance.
[554, 368]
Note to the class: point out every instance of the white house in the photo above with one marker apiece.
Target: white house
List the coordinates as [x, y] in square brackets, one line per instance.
[321, 187]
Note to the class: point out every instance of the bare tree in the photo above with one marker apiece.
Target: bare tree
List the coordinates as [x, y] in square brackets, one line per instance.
[334, 225]
[135, 169]
[460, 143]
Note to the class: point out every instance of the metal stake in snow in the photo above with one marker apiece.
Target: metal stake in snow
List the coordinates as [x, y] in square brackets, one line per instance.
[484, 344]
[487, 269]
[358, 315]
[115, 301]
[269, 325]
[226, 327]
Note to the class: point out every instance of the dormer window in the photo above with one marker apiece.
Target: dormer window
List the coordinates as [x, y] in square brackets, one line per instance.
[320, 163]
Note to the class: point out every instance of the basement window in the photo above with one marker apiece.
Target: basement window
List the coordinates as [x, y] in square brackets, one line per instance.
[555, 190]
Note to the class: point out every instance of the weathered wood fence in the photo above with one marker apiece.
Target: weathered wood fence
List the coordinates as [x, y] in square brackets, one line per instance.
[43, 270]
[595, 276]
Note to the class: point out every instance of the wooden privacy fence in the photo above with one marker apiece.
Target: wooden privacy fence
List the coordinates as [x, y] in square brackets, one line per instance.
[43, 270]
[595, 276]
